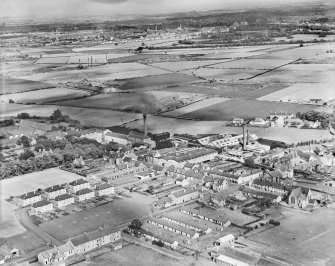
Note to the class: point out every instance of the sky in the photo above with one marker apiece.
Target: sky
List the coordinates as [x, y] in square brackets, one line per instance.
[53, 8]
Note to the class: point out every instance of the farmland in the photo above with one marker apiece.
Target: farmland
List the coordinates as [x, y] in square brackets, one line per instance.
[15, 85]
[9, 226]
[240, 90]
[245, 109]
[302, 92]
[87, 116]
[44, 95]
[259, 64]
[112, 214]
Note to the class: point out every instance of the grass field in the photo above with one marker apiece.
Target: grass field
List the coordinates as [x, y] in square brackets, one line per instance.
[223, 74]
[245, 109]
[112, 214]
[195, 106]
[312, 241]
[53, 60]
[259, 64]
[9, 226]
[134, 255]
[14, 85]
[184, 65]
[87, 116]
[104, 72]
[26, 242]
[156, 80]
[44, 95]
[303, 92]
[249, 91]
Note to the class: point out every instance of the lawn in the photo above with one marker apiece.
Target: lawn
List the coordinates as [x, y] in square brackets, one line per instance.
[112, 214]
[244, 108]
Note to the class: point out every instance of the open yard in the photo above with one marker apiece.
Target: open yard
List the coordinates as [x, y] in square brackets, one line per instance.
[112, 214]
[308, 238]
[44, 95]
[14, 85]
[9, 226]
[303, 92]
[227, 110]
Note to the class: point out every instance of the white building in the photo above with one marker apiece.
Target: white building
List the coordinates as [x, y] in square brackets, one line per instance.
[63, 200]
[78, 184]
[104, 189]
[84, 194]
[42, 206]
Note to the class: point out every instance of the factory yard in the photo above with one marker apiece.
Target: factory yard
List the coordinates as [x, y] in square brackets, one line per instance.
[307, 238]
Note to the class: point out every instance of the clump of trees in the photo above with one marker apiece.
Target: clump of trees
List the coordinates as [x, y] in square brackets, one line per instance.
[58, 117]
[323, 117]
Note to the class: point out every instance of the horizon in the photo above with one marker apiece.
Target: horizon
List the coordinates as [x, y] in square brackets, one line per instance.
[48, 9]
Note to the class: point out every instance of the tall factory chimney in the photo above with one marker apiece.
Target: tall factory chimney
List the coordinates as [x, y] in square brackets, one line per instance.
[145, 123]
[243, 146]
[248, 137]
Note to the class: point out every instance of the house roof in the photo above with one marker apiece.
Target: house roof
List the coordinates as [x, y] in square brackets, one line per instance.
[41, 203]
[78, 182]
[103, 186]
[84, 191]
[96, 234]
[54, 188]
[184, 192]
[63, 197]
[267, 183]
[30, 195]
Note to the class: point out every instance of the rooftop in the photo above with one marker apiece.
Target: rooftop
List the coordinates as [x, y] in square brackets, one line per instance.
[41, 203]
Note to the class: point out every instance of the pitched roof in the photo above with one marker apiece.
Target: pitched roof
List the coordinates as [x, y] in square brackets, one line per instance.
[30, 194]
[54, 188]
[103, 186]
[63, 197]
[78, 182]
[84, 191]
[41, 203]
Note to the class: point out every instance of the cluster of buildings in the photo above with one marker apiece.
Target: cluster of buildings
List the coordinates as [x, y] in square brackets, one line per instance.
[60, 196]
[81, 244]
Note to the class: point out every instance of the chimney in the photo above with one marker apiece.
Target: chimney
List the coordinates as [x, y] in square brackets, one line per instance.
[243, 146]
[145, 123]
[247, 137]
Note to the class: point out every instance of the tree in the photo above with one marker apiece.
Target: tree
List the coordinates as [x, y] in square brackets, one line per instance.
[25, 141]
[135, 224]
[23, 116]
[57, 115]
[26, 155]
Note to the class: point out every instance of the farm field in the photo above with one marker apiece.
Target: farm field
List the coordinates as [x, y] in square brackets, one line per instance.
[111, 214]
[105, 72]
[153, 101]
[311, 241]
[302, 92]
[195, 106]
[184, 65]
[299, 73]
[53, 60]
[245, 109]
[305, 37]
[9, 226]
[14, 85]
[230, 90]
[157, 124]
[250, 63]
[223, 74]
[87, 116]
[44, 95]
[157, 80]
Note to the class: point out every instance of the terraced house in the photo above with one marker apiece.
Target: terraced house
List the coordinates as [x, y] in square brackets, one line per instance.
[42, 206]
[94, 239]
[269, 186]
[63, 200]
[184, 195]
[78, 184]
[29, 198]
[54, 191]
[104, 189]
[84, 194]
